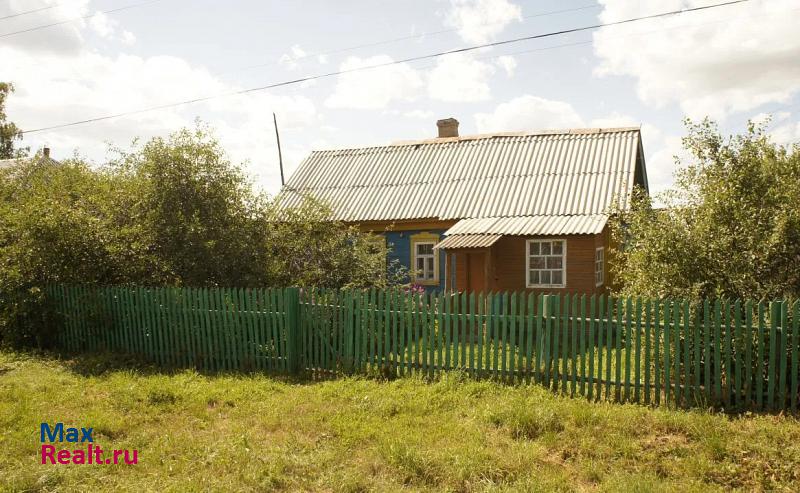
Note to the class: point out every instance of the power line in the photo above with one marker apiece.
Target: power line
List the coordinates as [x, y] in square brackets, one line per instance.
[636, 34]
[40, 9]
[405, 38]
[386, 64]
[389, 41]
[67, 21]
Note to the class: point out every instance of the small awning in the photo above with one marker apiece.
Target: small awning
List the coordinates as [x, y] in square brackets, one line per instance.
[468, 241]
[530, 225]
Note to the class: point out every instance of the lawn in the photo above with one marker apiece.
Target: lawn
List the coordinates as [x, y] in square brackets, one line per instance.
[197, 432]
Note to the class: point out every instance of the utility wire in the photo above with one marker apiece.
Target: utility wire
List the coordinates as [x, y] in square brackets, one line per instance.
[40, 9]
[405, 38]
[387, 41]
[386, 64]
[67, 21]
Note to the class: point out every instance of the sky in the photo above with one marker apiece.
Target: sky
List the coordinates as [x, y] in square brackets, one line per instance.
[731, 63]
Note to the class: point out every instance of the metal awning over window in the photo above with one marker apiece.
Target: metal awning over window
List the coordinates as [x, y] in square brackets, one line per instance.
[468, 241]
[531, 225]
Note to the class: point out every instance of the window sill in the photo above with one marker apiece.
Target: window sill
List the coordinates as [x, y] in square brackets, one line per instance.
[429, 282]
[546, 286]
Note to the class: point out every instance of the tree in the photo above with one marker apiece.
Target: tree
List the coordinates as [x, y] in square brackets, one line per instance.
[8, 130]
[192, 209]
[173, 211]
[304, 247]
[730, 226]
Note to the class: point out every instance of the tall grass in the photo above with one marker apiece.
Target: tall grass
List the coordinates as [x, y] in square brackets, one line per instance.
[231, 432]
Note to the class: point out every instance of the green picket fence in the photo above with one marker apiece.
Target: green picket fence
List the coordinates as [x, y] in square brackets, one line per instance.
[209, 329]
[737, 355]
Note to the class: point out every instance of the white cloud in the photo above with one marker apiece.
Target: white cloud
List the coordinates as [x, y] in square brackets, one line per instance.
[713, 62]
[615, 119]
[788, 133]
[661, 164]
[416, 114]
[289, 60]
[55, 87]
[108, 28]
[527, 113]
[507, 63]
[460, 78]
[779, 126]
[479, 21]
[373, 88]
[128, 37]
[419, 114]
[102, 24]
[64, 38]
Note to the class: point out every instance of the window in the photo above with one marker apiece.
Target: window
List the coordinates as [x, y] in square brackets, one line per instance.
[546, 263]
[424, 259]
[599, 267]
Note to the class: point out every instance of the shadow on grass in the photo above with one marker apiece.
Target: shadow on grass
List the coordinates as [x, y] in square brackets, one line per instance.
[97, 364]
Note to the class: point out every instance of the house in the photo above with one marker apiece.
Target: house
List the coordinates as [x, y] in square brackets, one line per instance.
[504, 211]
[44, 157]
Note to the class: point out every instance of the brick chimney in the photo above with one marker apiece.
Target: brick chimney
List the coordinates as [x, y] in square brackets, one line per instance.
[447, 128]
[46, 152]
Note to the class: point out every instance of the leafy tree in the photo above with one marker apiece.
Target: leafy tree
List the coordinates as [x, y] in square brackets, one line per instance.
[186, 203]
[192, 209]
[306, 248]
[54, 227]
[730, 226]
[173, 211]
[8, 130]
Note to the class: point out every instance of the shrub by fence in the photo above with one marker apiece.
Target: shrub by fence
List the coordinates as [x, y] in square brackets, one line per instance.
[737, 355]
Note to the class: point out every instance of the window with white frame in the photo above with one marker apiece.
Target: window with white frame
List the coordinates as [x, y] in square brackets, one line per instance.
[547, 263]
[599, 267]
[424, 261]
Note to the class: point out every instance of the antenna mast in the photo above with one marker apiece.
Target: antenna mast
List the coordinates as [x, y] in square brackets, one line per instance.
[278, 138]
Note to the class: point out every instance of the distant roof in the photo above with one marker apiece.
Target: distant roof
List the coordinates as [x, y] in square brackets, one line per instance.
[546, 174]
[8, 163]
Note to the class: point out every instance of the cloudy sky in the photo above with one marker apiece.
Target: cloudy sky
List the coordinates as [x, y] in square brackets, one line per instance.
[730, 63]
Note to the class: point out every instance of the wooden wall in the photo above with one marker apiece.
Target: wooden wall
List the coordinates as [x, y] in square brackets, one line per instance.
[508, 264]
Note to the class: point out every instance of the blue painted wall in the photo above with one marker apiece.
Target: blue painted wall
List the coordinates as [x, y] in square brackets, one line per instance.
[399, 243]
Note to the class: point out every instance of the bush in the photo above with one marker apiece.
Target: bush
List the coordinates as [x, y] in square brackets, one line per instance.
[173, 211]
[730, 228]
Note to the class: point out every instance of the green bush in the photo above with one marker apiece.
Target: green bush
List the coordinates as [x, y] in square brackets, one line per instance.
[172, 211]
[730, 227]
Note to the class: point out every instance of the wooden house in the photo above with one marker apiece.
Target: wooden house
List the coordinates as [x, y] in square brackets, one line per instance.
[505, 211]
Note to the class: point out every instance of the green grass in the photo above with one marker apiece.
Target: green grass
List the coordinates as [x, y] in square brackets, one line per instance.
[255, 433]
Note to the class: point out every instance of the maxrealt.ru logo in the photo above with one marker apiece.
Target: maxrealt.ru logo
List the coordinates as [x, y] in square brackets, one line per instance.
[92, 454]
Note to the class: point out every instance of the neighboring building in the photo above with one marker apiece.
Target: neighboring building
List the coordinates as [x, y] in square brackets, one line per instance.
[44, 157]
[507, 211]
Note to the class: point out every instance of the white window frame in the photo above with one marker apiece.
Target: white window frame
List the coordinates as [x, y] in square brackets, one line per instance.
[432, 256]
[528, 263]
[602, 261]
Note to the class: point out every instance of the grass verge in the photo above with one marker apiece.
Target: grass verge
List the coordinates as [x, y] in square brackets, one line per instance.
[254, 433]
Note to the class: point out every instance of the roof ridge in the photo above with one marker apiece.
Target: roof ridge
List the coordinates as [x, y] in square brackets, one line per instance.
[487, 136]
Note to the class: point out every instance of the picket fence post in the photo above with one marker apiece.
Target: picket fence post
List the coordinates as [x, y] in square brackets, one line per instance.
[292, 307]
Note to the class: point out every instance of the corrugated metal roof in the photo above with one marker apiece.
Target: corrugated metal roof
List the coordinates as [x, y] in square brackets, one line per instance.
[562, 174]
[10, 163]
[468, 241]
[531, 225]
